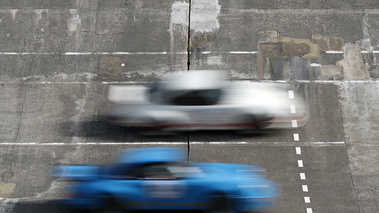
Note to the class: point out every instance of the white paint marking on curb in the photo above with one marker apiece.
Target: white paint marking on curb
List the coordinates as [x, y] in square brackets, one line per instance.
[307, 199]
[291, 94]
[298, 150]
[296, 137]
[294, 123]
[305, 188]
[293, 109]
[302, 176]
[309, 210]
[300, 163]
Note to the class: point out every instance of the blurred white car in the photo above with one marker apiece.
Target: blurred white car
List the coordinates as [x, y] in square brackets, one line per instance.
[205, 100]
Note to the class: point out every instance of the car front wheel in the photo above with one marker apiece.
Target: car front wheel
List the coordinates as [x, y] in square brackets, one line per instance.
[220, 204]
[106, 204]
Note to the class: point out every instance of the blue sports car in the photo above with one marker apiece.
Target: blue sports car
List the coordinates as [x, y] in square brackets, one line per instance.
[159, 178]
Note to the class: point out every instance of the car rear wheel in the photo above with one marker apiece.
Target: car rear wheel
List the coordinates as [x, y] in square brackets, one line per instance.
[151, 128]
[253, 124]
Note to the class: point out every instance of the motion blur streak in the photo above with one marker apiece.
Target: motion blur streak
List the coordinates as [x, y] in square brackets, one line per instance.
[159, 178]
[205, 100]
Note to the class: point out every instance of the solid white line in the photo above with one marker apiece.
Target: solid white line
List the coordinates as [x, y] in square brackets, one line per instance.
[315, 65]
[243, 52]
[77, 53]
[162, 53]
[307, 199]
[298, 150]
[305, 188]
[338, 82]
[291, 94]
[300, 163]
[374, 51]
[325, 143]
[167, 143]
[296, 137]
[242, 142]
[302, 176]
[293, 109]
[334, 52]
[309, 210]
[92, 143]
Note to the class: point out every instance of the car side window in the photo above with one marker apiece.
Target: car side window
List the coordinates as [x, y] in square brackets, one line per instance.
[157, 171]
[198, 97]
[160, 171]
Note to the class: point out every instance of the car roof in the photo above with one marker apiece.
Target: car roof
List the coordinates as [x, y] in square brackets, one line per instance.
[195, 80]
[152, 155]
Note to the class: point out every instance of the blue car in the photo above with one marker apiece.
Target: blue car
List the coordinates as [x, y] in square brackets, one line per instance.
[159, 178]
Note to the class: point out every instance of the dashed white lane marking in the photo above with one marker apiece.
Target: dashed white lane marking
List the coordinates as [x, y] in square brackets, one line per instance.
[300, 163]
[291, 94]
[298, 150]
[307, 199]
[292, 109]
[296, 137]
[302, 176]
[305, 188]
[309, 210]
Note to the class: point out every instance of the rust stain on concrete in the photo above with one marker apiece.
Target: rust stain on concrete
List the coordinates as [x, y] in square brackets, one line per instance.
[304, 48]
[202, 40]
[6, 189]
[286, 47]
[110, 66]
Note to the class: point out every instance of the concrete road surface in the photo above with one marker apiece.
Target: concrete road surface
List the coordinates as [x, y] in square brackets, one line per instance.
[59, 57]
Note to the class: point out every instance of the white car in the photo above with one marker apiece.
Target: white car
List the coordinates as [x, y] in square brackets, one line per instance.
[205, 100]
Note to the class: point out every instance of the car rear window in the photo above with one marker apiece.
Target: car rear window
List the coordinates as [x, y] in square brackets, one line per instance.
[197, 97]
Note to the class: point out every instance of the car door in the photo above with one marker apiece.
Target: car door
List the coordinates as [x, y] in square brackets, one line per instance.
[148, 186]
[162, 189]
[202, 108]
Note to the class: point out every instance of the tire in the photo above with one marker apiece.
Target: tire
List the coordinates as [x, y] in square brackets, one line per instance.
[149, 130]
[109, 204]
[253, 125]
[220, 203]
